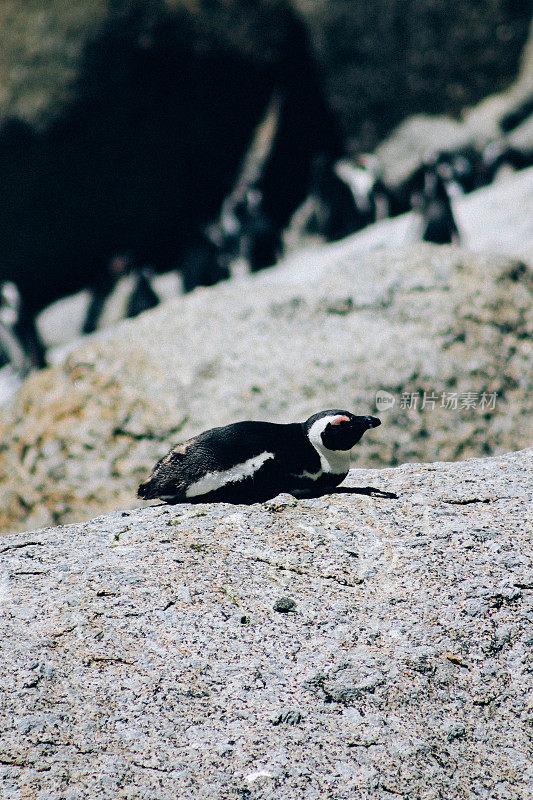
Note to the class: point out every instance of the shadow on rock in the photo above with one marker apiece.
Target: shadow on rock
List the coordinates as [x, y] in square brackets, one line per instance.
[371, 491]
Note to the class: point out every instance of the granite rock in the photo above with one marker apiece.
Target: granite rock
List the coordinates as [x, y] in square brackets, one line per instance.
[143, 656]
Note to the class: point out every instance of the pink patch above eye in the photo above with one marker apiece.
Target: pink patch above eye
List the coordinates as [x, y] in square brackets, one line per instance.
[338, 420]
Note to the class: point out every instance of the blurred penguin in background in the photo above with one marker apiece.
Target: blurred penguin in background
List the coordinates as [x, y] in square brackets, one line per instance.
[434, 204]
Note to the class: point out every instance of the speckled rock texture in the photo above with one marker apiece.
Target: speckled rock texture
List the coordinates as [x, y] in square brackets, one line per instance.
[328, 330]
[371, 643]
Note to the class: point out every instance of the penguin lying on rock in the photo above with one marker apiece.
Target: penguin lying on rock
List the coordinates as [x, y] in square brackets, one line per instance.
[250, 462]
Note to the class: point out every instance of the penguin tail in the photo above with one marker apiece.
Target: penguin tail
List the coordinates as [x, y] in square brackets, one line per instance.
[154, 489]
[148, 490]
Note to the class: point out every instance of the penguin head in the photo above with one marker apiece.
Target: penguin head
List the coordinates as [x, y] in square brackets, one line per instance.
[337, 430]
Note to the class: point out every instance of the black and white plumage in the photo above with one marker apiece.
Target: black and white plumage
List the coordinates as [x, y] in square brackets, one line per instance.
[250, 462]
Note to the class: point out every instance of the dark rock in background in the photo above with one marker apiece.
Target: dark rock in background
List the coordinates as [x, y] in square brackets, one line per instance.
[129, 135]
[383, 60]
[123, 124]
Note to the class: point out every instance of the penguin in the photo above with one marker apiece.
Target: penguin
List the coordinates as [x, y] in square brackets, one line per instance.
[20, 343]
[250, 462]
[143, 295]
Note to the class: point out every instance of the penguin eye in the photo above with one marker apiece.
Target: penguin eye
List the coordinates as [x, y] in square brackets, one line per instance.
[339, 420]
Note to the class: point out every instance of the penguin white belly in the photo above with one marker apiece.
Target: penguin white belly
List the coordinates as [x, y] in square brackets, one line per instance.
[212, 481]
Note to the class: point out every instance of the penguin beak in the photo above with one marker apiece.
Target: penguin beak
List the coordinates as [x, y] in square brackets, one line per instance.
[372, 422]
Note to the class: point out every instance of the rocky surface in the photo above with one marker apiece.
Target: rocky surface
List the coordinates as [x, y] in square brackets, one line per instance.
[484, 118]
[327, 329]
[45, 43]
[359, 644]
[42, 45]
[414, 139]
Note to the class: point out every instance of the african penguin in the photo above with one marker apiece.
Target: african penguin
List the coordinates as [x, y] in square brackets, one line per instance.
[250, 462]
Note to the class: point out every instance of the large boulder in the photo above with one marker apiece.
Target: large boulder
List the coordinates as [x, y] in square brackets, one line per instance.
[401, 153]
[421, 134]
[444, 332]
[372, 643]
[383, 60]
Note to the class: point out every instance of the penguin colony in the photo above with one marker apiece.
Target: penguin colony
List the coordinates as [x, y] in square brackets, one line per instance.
[250, 462]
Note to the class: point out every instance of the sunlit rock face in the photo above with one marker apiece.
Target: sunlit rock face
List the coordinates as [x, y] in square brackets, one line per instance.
[443, 333]
[369, 643]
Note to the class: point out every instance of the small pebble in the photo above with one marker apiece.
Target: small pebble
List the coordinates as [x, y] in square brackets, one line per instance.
[288, 718]
[284, 605]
